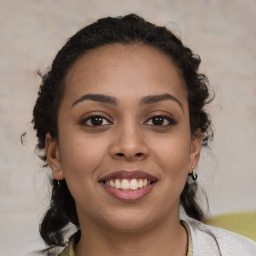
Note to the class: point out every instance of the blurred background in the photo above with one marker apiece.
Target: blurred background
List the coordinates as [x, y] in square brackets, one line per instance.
[222, 32]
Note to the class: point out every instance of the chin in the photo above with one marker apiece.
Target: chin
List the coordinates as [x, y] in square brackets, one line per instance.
[130, 221]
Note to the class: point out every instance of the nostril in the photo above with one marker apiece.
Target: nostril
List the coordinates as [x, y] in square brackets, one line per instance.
[139, 154]
[120, 154]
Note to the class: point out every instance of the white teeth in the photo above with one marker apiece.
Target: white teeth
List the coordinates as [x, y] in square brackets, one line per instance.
[140, 183]
[127, 184]
[112, 183]
[134, 184]
[117, 183]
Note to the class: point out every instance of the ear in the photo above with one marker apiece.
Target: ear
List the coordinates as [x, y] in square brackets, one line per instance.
[195, 149]
[53, 157]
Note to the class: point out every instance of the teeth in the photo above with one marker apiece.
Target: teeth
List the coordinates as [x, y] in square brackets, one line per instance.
[134, 184]
[112, 183]
[140, 183]
[127, 184]
[117, 183]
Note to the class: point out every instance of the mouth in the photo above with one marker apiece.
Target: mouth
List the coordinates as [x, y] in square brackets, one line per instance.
[128, 185]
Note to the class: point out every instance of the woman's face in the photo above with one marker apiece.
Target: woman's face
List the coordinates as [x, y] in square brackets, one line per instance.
[124, 145]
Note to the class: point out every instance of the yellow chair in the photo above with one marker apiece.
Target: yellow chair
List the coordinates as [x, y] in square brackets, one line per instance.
[240, 223]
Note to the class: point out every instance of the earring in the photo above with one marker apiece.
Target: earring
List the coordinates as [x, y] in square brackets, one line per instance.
[194, 174]
[59, 183]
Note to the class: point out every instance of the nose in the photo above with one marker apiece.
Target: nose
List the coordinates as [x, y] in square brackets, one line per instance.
[129, 145]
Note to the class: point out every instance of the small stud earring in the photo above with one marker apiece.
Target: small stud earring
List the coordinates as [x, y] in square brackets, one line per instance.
[194, 174]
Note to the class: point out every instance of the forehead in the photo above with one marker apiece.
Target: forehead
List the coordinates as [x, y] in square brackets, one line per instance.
[122, 70]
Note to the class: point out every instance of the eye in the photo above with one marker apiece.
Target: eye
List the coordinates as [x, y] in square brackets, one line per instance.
[95, 120]
[160, 120]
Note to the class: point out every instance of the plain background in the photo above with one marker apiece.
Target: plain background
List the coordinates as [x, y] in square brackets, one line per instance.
[222, 32]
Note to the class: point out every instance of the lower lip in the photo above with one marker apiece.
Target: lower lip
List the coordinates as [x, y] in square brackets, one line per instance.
[129, 195]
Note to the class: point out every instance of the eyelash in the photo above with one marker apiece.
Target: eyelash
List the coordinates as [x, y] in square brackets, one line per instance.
[170, 120]
[89, 117]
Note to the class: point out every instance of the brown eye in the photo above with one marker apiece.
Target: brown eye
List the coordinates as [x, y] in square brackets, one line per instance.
[96, 120]
[160, 120]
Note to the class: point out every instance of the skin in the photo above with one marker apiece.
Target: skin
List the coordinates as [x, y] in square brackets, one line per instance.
[127, 140]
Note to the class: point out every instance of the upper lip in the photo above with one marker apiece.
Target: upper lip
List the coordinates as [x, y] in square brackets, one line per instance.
[123, 174]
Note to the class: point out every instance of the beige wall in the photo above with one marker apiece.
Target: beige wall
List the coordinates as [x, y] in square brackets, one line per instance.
[222, 32]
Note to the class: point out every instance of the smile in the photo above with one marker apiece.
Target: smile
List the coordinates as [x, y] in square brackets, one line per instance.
[128, 185]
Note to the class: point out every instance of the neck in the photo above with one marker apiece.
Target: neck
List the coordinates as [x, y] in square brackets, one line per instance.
[166, 238]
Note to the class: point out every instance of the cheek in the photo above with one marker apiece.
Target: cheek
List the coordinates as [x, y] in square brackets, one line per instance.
[81, 155]
[174, 152]
[81, 158]
[173, 157]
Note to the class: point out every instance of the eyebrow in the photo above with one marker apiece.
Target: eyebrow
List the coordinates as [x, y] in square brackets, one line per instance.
[97, 97]
[113, 101]
[157, 98]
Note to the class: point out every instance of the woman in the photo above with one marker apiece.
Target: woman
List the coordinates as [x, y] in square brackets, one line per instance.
[120, 120]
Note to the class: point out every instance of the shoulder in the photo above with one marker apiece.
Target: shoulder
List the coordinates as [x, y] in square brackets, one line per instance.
[208, 240]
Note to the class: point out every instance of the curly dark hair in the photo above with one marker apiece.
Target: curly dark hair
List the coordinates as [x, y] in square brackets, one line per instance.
[129, 29]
